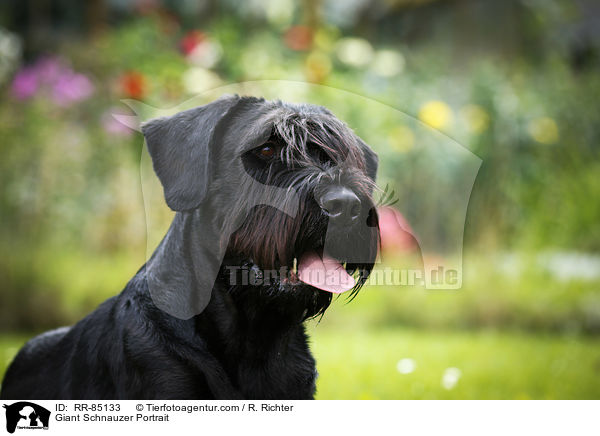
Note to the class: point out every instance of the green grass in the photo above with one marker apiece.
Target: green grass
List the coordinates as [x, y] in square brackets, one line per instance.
[492, 296]
[9, 345]
[362, 365]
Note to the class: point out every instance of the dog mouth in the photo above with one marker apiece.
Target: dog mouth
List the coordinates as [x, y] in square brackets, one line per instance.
[322, 271]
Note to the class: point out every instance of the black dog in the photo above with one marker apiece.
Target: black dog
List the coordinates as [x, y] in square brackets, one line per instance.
[274, 214]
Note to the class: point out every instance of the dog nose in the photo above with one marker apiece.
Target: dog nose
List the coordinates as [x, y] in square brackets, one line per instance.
[341, 204]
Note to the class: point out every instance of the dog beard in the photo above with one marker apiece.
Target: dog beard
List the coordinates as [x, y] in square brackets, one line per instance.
[289, 251]
[263, 274]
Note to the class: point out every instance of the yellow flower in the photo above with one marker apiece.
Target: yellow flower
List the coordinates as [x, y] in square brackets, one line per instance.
[318, 66]
[436, 114]
[325, 39]
[544, 130]
[477, 118]
[402, 139]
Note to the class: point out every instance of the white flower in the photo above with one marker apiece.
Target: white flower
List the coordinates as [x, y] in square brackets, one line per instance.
[196, 80]
[406, 366]
[10, 51]
[450, 378]
[387, 63]
[355, 52]
[206, 54]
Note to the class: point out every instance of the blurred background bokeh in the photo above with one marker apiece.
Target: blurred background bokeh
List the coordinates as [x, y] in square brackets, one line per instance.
[516, 82]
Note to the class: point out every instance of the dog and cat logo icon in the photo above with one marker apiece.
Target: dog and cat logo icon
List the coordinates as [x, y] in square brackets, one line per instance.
[26, 415]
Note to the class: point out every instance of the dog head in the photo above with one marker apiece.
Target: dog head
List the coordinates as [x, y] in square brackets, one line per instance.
[266, 186]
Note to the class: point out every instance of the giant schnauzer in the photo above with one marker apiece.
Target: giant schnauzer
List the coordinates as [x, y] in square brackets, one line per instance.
[274, 215]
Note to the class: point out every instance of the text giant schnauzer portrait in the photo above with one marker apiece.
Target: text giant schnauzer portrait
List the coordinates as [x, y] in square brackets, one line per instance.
[274, 215]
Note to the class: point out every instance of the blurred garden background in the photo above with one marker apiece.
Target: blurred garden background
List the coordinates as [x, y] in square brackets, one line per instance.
[514, 82]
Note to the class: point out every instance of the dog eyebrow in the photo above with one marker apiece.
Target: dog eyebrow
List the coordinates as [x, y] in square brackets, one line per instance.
[254, 139]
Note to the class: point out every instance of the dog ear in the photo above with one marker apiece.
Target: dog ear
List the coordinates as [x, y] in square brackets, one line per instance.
[180, 148]
[371, 160]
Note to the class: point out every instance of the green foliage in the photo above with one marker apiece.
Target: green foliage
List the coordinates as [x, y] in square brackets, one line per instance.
[357, 363]
[362, 364]
[499, 291]
[74, 232]
[43, 290]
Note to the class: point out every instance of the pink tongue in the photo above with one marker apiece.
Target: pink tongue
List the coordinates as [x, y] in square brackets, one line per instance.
[324, 273]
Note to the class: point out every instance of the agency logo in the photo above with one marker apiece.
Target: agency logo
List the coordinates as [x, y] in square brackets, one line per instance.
[26, 415]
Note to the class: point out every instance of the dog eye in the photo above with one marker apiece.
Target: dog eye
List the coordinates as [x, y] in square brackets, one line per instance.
[266, 151]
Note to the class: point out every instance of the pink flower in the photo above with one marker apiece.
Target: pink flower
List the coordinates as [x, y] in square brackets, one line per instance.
[52, 77]
[70, 88]
[396, 233]
[25, 84]
[49, 69]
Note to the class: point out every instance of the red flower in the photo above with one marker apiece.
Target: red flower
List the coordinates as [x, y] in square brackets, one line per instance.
[191, 40]
[298, 38]
[133, 84]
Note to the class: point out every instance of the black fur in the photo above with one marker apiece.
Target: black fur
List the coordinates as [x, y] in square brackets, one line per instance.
[187, 326]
